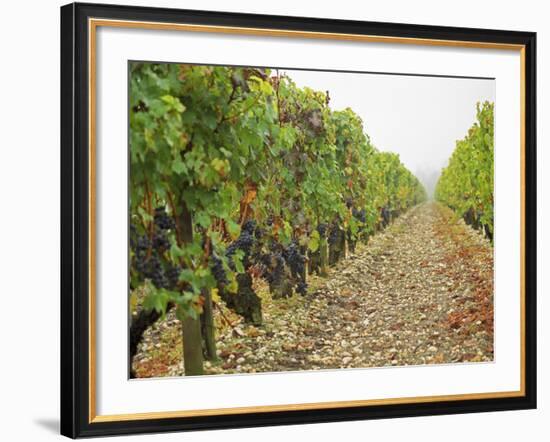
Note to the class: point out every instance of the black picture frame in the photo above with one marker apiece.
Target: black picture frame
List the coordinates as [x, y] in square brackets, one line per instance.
[75, 221]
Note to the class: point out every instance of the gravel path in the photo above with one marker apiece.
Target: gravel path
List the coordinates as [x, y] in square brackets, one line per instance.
[421, 292]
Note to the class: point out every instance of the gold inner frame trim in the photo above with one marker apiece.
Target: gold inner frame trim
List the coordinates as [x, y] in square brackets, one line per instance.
[93, 24]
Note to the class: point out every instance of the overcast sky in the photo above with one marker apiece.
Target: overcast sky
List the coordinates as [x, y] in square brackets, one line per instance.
[420, 118]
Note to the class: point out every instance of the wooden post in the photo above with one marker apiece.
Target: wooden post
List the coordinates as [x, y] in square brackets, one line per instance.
[323, 251]
[191, 327]
[209, 328]
[192, 347]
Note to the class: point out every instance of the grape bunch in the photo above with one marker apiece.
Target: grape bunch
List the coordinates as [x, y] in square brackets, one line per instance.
[322, 229]
[334, 235]
[148, 265]
[140, 245]
[244, 242]
[301, 288]
[360, 215]
[385, 216]
[248, 242]
[162, 220]
[296, 261]
[216, 267]
[274, 265]
[155, 272]
[172, 276]
[249, 226]
[161, 241]
[149, 252]
[259, 233]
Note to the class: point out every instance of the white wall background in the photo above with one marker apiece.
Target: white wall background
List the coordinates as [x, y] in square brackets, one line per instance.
[29, 219]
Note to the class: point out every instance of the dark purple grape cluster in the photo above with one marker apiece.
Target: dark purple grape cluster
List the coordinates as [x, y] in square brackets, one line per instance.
[249, 226]
[161, 241]
[143, 244]
[162, 220]
[244, 242]
[216, 267]
[150, 267]
[334, 235]
[172, 275]
[360, 215]
[149, 252]
[274, 262]
[385, 216]
[259, 233]
[140, 245]
[155, 272]
[322, 229]
[296, 261]
[301, 288]
[161, 275]
[274, 267]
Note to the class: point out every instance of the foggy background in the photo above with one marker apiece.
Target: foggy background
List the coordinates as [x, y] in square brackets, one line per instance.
[420, 118]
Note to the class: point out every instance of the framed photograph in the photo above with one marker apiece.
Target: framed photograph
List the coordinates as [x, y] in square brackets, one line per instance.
[274, 220]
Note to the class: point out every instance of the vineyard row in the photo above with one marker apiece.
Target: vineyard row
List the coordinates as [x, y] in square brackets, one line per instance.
[238, 173]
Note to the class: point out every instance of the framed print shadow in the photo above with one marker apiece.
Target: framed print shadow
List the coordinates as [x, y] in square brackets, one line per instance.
[272, 220]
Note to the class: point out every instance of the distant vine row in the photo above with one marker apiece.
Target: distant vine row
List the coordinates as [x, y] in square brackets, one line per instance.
[466, 184]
